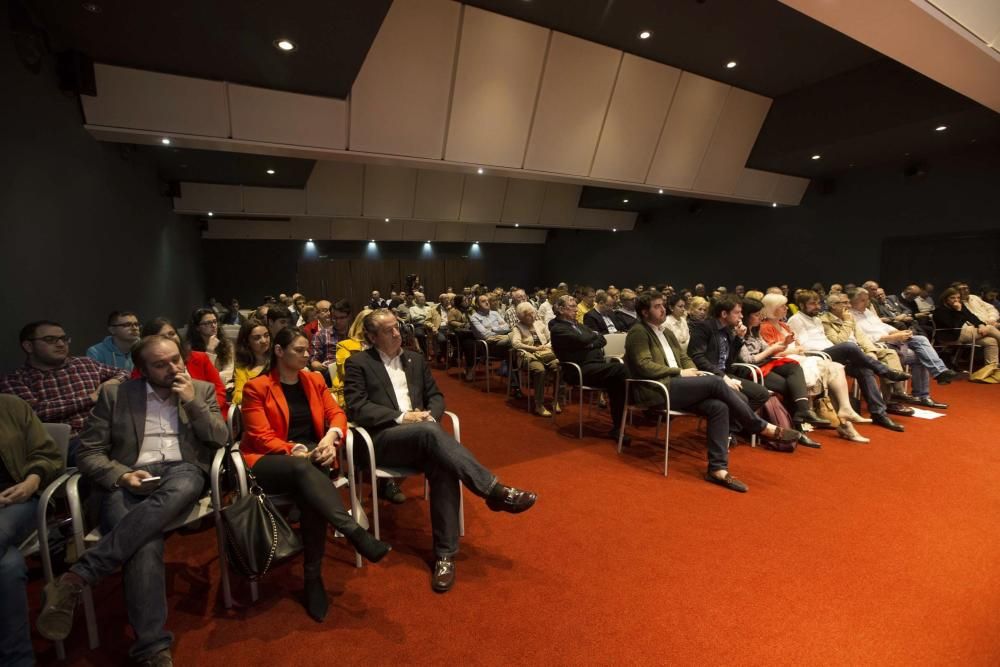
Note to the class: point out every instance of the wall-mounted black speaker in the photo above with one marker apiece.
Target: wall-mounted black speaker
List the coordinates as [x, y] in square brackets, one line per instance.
[76, 73]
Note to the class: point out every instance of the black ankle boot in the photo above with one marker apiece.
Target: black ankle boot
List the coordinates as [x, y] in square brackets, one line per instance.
[315, 602]
[373, 550]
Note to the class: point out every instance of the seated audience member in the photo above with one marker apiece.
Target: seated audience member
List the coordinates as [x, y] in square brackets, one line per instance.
[403, 415]
[312, 324]
[440, 320]
[913, 349]
[715, 346]
[351, 344]
[614, 295]
[811, 335]
[29, 461]
[991, 295]
[198, 365]
[751, 294]
[419, 314]
[253, 351]
[293, 429]
[260, 314]
[488, 325]
[697, 309]
[458, 324]
[58, 387]
[115, 350]
[203, 336]
[625, 315]
[308, 316]
[376, 301]
[677, 320]
[699, 290]
[278, 318]
[333, 325]
[532, 338]
[977, 306]
[652, 353]
[577, 344]
[297, 305]
[234, 316]
[781, 363]
[906, 302]
[891, 311]
[600, 318]
[517, 296]
[955, 322]
[182, 429]
[546, 312]
[585, 302]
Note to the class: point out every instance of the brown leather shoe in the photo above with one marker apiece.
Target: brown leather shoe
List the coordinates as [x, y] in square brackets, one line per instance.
[59, 598]
[508, 499]
[443, 576]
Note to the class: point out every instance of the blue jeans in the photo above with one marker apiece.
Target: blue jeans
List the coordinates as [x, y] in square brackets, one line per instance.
[16, 523]
[133, 540]
[918, 349]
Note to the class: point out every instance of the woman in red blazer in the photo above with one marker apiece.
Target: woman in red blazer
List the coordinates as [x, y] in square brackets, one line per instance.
[292, 428]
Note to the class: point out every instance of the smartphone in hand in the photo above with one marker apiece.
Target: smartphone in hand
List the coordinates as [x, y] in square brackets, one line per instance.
[149, 480]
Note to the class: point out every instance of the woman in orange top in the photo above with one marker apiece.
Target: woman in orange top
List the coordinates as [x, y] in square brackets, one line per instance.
[292, 430]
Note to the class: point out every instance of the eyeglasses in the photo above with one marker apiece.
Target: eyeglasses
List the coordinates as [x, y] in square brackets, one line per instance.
[52, 340]
[126, 325]
[209, 323]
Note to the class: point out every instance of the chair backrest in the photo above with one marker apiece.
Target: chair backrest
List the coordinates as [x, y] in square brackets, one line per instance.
[59, 433]
[231, 331]
[234, 422]
[616, 344]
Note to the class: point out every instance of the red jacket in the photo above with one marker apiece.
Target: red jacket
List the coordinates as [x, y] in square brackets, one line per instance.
[200, 367]
[265, 414]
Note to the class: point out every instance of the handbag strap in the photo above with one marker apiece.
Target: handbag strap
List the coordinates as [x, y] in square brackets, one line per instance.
[252, 486]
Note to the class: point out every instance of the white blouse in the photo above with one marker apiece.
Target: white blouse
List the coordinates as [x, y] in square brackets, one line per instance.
[679, 327]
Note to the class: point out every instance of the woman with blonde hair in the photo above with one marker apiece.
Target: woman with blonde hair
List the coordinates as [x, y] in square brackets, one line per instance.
[697, 308]
[355, 342]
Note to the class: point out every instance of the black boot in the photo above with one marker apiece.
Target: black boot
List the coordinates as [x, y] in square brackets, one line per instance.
[315, 600]
[373, 550]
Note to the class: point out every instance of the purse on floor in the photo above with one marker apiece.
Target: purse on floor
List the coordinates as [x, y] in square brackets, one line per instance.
[824, 408]
[257, 536]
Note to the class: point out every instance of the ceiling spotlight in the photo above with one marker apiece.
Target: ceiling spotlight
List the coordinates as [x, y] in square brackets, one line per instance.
[309, 241]
[614, 229]
[387, 219]
[479, 171]
[428, 241]
[660, 191]
[270, 172]
[774, 204]
[940, 128]
[210, 214]
[517, 224]
[475, 243]
[92, 7]
[731, 64]
[645, 34]
[165, 141]
[372, 241]
[624, 201]
[816, 157]
[285, 45]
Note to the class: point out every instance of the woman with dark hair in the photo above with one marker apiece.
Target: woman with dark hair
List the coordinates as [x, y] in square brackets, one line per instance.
[203, 336]
[677, 319]
[293, 428]
[253, 350]
[955, 322]
[199, 366]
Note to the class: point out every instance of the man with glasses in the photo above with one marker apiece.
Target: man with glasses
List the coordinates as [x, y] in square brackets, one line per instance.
[334, 320]
[58, 387]
[114, 350]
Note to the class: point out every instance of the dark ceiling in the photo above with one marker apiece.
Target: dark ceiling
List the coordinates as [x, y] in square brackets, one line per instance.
[225, 40]
[186, 164]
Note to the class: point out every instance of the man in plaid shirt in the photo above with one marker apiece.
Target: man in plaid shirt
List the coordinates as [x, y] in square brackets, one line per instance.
[58, 387]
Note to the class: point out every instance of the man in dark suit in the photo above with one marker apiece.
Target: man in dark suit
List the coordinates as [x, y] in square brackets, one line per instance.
[601, 317]
[625, 315]
[390, 392]
[579, 345]
[715, 346]
[148, 444]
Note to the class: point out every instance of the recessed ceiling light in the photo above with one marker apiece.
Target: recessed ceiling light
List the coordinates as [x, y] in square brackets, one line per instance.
[309, 241]
[645, 34]
[476, 243]
[660, 191]
[428, 241]
[373, 241]
[165, 141]
[210, 214]
[479, 171]
[940, 128]
[270, 172]
[387, 219]
[285, 45]
[774, 204]
[517, 224]
[731, 64]
[624, 201]
[92, 7]
[614, 229]
[816, 157]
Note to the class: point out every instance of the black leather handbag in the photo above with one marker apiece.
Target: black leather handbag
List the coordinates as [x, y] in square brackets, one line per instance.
[257, 536]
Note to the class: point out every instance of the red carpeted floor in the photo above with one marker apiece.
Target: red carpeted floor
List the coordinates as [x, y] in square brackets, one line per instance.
[880, 554]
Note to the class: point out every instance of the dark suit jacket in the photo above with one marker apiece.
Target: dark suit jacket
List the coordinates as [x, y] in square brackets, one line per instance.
[645, 360]
[595, 321]
[371, 401]
[703, 348]
[112, 437]
[576, 343]
[623, 321]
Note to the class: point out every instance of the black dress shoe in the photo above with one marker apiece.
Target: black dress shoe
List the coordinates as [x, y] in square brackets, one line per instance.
[885, 422]
[928, 402]
[946, 376]
[443, 576]
[899, 409]
[806, 441]
[508, 499]
[810, 417]
[388, 489]
[905, 398]
[626, 439]
[897, 376]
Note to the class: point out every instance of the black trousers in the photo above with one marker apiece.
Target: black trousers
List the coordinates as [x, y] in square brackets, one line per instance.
[789, 381]
[610, 376]
[313, 492]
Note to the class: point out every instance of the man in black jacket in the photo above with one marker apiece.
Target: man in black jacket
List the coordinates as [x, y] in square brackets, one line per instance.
[715, 346]
[585, 348]
[601, 317]
[390, 393]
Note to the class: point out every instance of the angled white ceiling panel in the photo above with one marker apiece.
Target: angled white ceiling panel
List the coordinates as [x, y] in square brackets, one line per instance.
[439, 195]
[643, 93]
[335, 189]
[789, 189]
[523, 202]
[450, 231]
[274, 201]
[574, 96]
[735, 133]
[757, 184]
[482, 198]
[399, 101]
[560, 204]
[496, 83]
[385, 231]
[389, 191]
[479, 233]
[280, 117]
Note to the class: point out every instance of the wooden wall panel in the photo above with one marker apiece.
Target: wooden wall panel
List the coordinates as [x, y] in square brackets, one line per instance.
[279, 117]
[687, 132]
[496, 81]
[643, 93]
[573, 99]
[399, 101]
